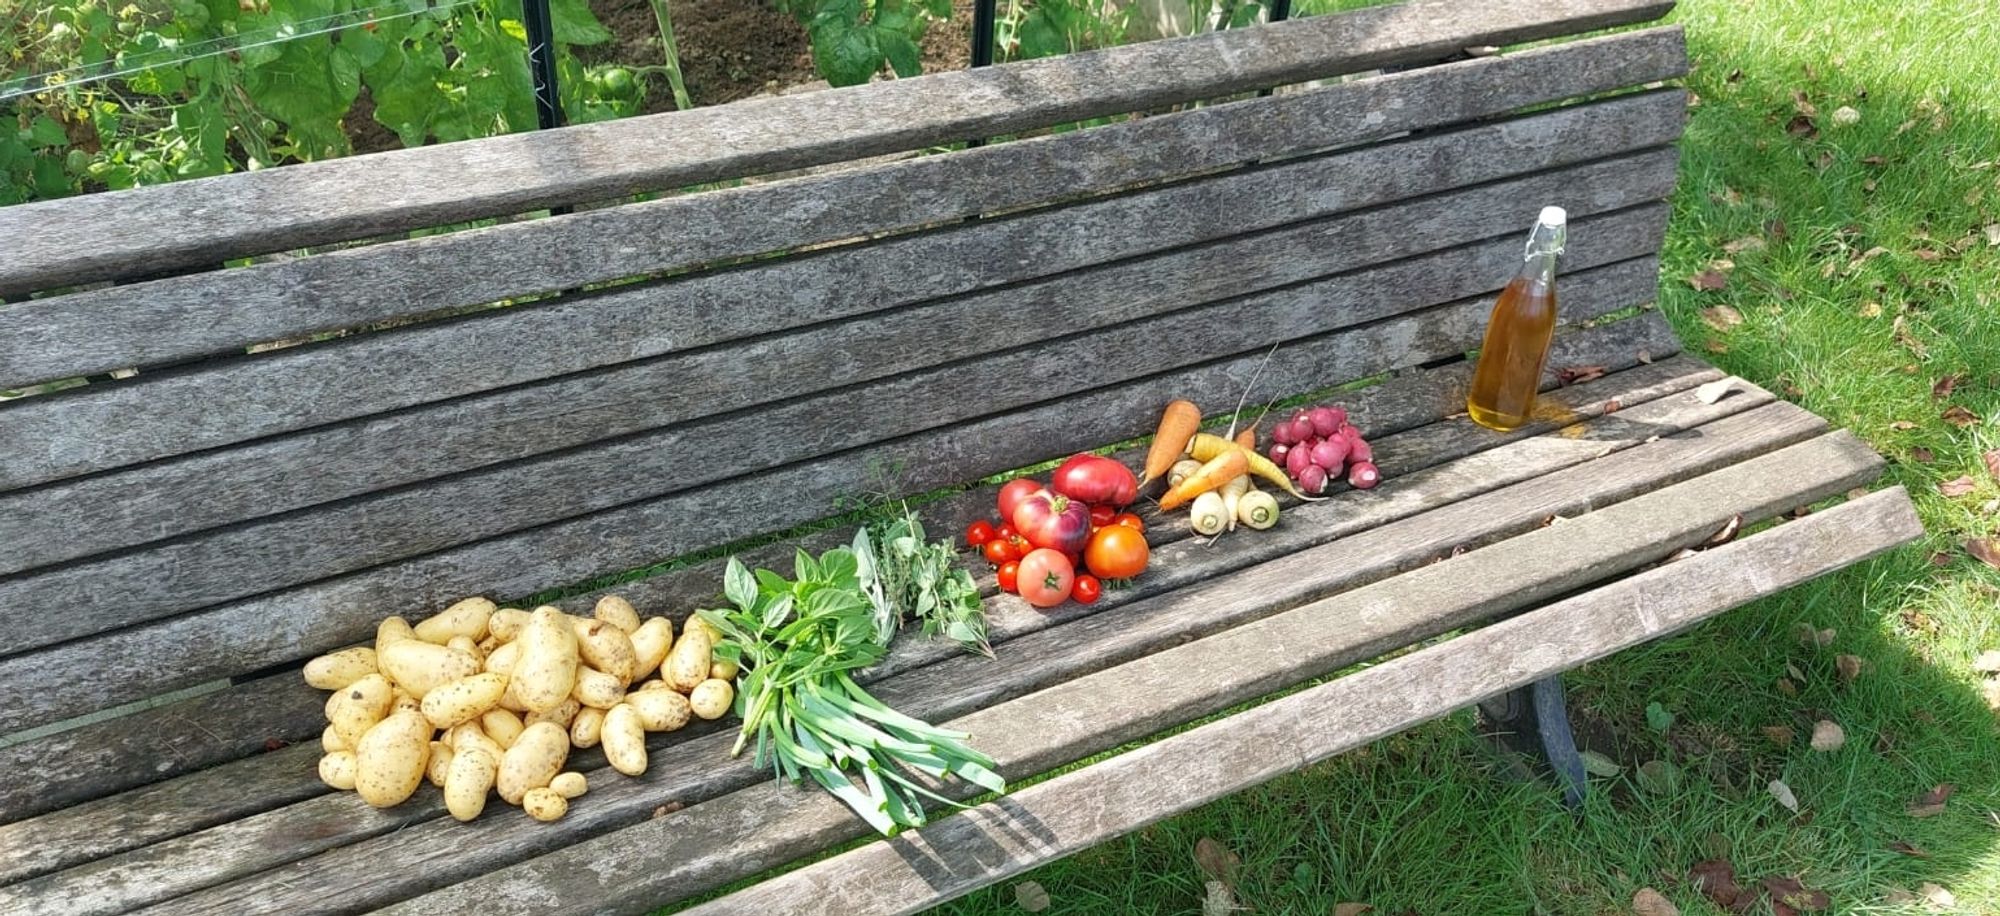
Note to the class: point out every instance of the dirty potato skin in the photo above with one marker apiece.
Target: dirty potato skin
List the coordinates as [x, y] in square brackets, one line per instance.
[536, 757]
[546, 672]
[390, 759]
[469, 782]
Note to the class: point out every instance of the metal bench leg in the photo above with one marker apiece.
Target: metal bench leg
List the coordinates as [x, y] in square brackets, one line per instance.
[1534, 721]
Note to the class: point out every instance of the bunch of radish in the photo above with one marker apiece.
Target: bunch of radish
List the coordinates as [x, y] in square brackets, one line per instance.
[1317, 445]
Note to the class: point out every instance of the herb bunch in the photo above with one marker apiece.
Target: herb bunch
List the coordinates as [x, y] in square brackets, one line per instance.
[907, 577]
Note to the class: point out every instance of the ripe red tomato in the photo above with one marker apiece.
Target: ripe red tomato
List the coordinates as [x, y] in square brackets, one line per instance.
[1006, 531]
[1046, 577]
[1009, 576]
[978, 533]
[1052, 521]
[1101, 515]
[1095, 479]
[1131, 521]
[1087, 589]
[998, 552]
[1012, 494]
[1117, 552]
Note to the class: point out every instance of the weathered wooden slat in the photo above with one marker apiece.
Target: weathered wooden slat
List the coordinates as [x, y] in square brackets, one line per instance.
[696, 770]
[294, 549]
[962, 853]
[286, 625]
[175, 319]
[194, 223]
[276, 707]
[660, 860]
[668, 324]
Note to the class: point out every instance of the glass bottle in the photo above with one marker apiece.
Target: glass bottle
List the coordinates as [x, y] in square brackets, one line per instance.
[1517, 336]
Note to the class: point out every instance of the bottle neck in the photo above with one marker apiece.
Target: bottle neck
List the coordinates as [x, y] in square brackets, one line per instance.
[1545, 245]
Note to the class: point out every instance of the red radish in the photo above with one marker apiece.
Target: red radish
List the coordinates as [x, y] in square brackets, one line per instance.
[1279, 451]
[1363, 476]
[1339, 416]
[1330, 454]
[1302, 427]
[1297, 460]
[1358, 451]
[1325, 422]
[1281, 433]
[1313, 479]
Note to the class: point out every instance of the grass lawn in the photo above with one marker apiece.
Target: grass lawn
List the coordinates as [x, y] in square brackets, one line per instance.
[1860, 276]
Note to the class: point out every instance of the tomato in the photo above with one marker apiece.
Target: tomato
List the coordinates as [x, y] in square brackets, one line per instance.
[1095, 479]
[1131, 521]
[1117, 552]
[1101, 515]
[1046, 577]
[1012, 494]
[1052, 521]
[978, 533]
[1009, 576]
[998, 552]
[1087, 589]
[1006, 531]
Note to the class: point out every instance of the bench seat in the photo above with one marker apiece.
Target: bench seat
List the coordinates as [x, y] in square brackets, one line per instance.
[614, 400]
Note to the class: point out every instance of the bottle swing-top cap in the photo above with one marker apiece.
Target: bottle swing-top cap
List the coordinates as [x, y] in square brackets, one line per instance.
[1550, 230]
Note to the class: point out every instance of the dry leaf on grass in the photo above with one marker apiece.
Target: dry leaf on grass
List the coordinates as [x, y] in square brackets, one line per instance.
[1716, 880]
[1845, 115]
[1936, 896]
[1908, 849]
[1827, 737]
[1790, 896]
[1992, 461]
[1922, 455]
[1849, 667]
[1870, 309]
[1903, 425]
[1030, 896]
[1649, 902]
[1780, 735]
[1714, 391]
[1958, 487]
[1945, 386]
[1746, 243]
[1900, 330]
[1216, 860]
[1960, 417]
[1709, 281]
[1985, 550]
[1351, 909]
[1219, 901]
[1783, 793]
[1721, 317]
[1571, 375]
[1931, 804]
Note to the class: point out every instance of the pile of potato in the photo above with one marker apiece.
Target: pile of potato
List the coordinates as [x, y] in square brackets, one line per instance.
[479, 698]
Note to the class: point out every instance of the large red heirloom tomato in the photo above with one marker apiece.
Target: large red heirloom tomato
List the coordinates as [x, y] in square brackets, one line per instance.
[1097, 480]
[1053, 521]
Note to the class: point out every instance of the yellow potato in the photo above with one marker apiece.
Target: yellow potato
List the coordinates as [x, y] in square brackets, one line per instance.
[544, 804]
[487, 645]
[511, 700]
[618, 612]
[654, 684]
[501, 726]
[570, 785]
[536, 757]
[439, 764]
[585, 728]
[390, 759]
[419, 667]
[401, 700]
[650, 643]
[624, 740]
[597, 689]
[546, 671]
[335, 670]
[469, 736]
[503, 659]
[466, 618]
[467, 784]
[467, 645]
[358, 706]
[694, 623]
[562, 715]
[687, 665]
[391, 630]
[659, 710]
[723, 670]
[603, 646]
[331, 741]
[711, 698]
[506, 623]
[464, 699]
[337, 770]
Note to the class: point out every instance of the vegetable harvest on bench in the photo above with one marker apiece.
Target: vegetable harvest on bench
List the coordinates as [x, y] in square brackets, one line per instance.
[643, 458]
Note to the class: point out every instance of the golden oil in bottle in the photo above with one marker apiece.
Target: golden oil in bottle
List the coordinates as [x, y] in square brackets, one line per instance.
[1517, 336]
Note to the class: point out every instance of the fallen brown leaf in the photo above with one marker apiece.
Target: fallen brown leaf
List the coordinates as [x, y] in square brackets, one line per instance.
[1992, 233]
[1958, 416]
[1958, 487]
[1927, 254]
[1709, 281]
[1870, 309]
[1220, 901]
[1802, 126]
[1746, 243]
[1936, 896]
[1909, 850]
[1216, 860]
[1992, 460]
[1801, 104]
[1873, 160]
[1901, 332]
[1030, 896]
[1716, 880]
[1351, 909]
[1945, 386]
[1786, 687]
[1649, 902]
[1827, 737]
[1715, 391]
[1845, 115]
[1714, 346]
[1780, 735]
[1727, 532]
[1789, 895]
[1573, 374]
[1921, 455]
[1903, 425]
[1848, 666]
[1931, 803]
[1985, 550]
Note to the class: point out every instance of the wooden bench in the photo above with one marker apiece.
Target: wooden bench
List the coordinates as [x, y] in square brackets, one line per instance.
[386, 422]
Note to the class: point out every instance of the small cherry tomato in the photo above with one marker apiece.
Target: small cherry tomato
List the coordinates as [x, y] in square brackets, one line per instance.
[1102, 515]
[1086, 590]
[1021, 545]
[978, 533]
[1010, 576]
[1131, 521]
[998, 552]
[1006, 532]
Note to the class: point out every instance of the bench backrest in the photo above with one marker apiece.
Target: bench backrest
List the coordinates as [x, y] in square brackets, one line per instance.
[313, 439]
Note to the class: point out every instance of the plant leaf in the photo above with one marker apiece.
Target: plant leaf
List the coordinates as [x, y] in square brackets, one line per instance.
[1597, 764]
[1985, 550]
[1827, 737]
[1931, 803]
[1030, 896]
[1783, 793]
[1659, 718]
[1649, 902]
[1957, 487]
[1216, 860]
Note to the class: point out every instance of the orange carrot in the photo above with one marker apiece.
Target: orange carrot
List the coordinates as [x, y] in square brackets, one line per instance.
[1248, 437]
[1221, 469]
[1177, 425]
[1205, 447]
